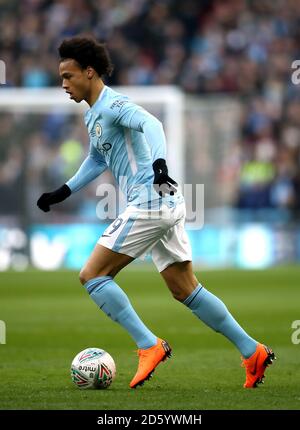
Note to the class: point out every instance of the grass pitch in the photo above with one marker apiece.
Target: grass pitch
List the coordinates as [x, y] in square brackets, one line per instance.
[49, 318]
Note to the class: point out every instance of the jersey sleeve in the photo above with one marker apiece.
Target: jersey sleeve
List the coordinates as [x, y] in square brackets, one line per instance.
[92, 166]
[131, 115]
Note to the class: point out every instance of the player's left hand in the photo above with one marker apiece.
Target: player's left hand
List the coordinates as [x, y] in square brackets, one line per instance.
[163, 184]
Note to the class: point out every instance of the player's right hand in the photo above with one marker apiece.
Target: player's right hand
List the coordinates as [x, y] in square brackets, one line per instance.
[57, 196]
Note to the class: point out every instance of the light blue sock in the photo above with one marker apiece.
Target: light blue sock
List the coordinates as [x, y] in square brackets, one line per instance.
[212, 311]
[114, 302]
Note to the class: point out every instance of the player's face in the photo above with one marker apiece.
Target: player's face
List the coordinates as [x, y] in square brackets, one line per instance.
[75, 80]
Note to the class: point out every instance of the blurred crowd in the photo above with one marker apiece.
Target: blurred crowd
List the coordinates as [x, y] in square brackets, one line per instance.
[237, 47]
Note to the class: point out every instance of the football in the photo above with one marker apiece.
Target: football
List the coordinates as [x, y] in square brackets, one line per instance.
[93, 368]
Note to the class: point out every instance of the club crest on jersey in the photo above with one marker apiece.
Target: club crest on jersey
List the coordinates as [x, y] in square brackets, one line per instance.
[98, 130]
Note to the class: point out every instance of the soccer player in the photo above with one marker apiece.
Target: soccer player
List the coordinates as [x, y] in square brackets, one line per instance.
[131, 143]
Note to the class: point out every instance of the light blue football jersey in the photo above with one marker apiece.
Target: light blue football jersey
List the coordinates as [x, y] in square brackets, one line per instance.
[127, 139]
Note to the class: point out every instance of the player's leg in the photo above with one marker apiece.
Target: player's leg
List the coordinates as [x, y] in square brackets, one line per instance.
[103, 262]
[183, 284]
[97, 277]
[127, 238]
[186, 282]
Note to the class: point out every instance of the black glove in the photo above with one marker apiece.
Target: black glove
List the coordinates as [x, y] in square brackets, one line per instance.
[48, 199]
[163, 184]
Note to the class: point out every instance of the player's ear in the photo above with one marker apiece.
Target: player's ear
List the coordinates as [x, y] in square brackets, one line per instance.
[90, 72]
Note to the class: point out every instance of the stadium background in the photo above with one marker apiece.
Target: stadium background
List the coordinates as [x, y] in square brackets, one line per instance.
[241, 137]
[233, 62]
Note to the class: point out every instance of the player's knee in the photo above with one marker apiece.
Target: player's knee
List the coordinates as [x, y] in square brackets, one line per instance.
[82, 277]
[178, 296]
[85, 275]
[177, 291]
[180, 288]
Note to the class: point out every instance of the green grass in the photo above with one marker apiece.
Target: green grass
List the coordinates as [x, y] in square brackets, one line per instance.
[50, 318]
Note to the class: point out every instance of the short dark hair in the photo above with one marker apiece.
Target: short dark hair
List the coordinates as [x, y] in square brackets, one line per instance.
[87, 52]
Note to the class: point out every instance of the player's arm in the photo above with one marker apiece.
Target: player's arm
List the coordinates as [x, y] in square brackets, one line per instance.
[133, 116]
[92, 166]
